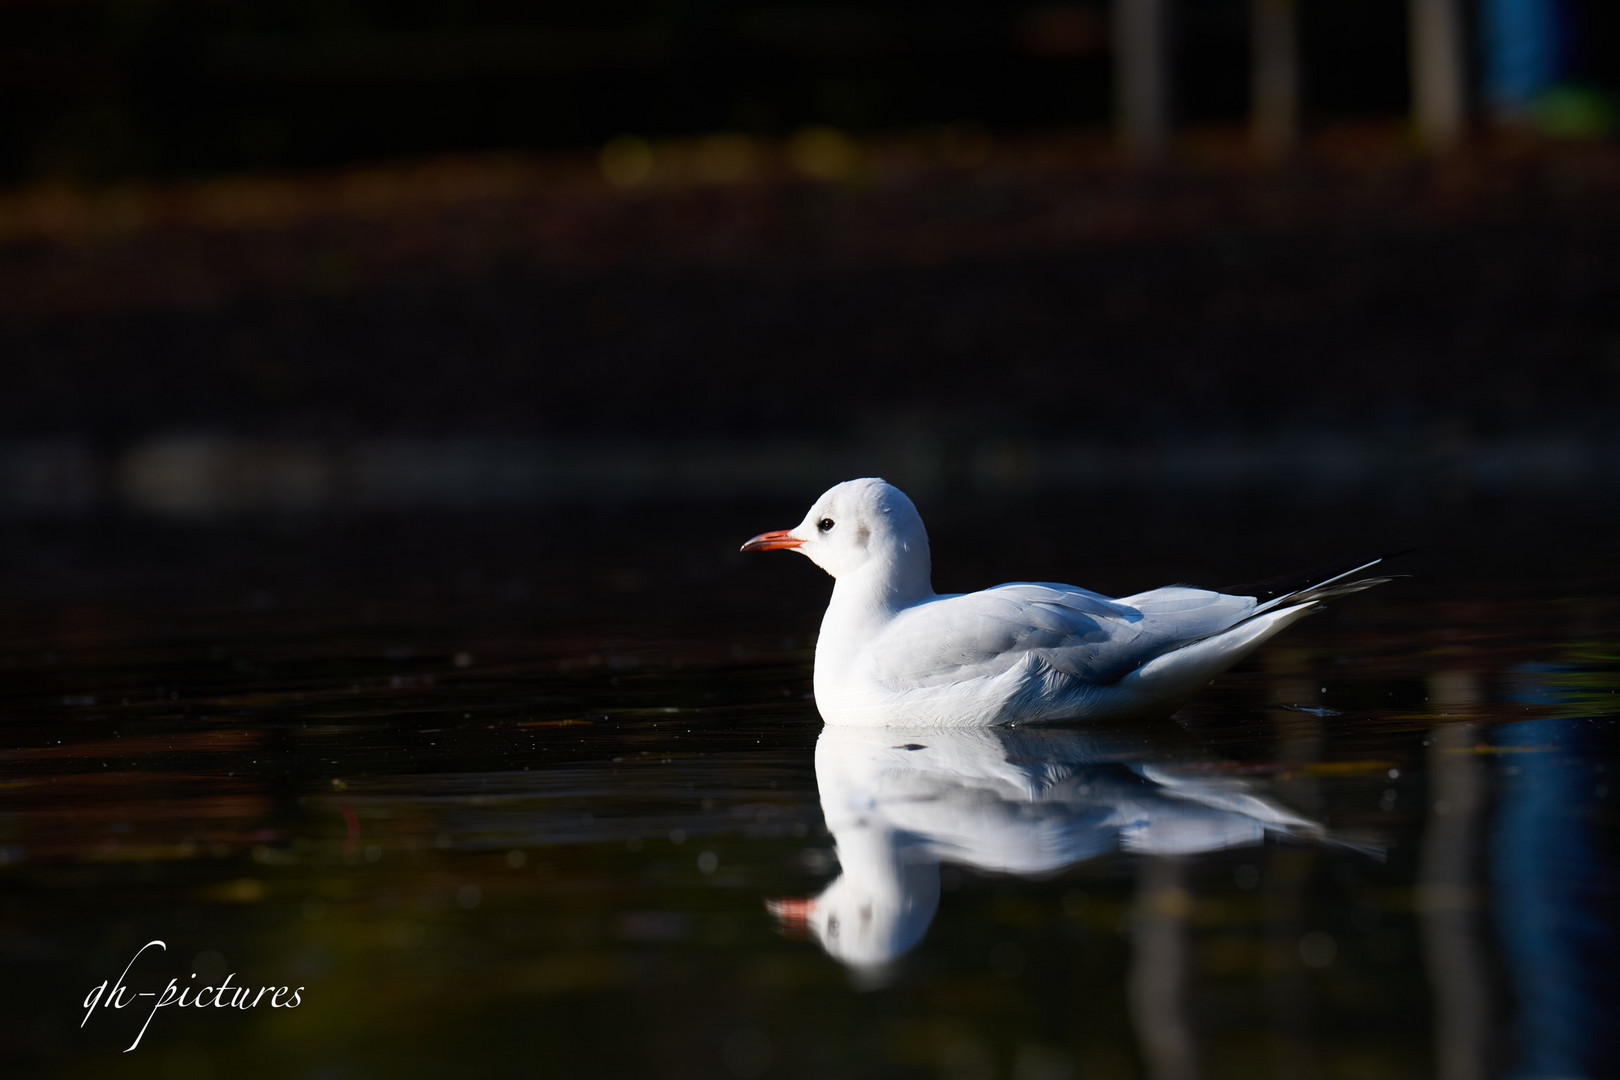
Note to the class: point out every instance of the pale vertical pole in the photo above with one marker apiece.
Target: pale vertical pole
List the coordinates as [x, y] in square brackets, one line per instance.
[1142, 75]
[1274, 79]
[1161, 969]
[1439, 71]
[1451, 882]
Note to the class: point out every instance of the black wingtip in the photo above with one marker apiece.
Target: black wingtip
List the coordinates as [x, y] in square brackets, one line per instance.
[1308, 580]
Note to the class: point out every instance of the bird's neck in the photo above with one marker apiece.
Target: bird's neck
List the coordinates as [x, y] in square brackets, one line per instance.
[881, 589]
[863, 604]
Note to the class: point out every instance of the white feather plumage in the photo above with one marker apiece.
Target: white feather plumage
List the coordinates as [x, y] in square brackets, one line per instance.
[892, 651]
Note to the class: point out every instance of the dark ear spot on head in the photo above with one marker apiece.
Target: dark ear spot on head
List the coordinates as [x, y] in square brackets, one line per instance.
[862, 533]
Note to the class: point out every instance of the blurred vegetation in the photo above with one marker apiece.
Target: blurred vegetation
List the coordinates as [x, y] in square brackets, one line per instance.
[951, 287]
[97, 90]
[116, 89]
[324, 227]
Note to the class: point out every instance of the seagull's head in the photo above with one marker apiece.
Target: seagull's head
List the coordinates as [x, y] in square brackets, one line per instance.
[863, 929]
[856, 525]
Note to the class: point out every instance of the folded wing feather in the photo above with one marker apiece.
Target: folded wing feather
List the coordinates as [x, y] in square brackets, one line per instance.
[1068, 630]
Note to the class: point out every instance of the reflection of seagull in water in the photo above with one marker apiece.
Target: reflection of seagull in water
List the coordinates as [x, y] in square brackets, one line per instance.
[892, 651]
[1022, 801]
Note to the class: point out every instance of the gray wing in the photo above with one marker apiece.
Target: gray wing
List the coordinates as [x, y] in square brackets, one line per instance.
[1074, 631]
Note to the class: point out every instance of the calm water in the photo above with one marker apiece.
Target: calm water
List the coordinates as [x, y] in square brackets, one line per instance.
[544, 797]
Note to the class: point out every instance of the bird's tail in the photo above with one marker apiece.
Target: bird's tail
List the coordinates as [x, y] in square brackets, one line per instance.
[1181, 672]
[1313, 587]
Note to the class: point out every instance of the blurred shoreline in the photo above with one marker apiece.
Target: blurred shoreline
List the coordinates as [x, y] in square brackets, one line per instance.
[191, 477]
[911, 199]
[726, 317]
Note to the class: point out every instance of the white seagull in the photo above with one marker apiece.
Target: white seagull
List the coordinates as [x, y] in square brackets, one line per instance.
[894, 652]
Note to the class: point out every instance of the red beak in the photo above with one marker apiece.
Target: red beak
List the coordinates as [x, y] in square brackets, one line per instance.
[781, 540]
[793, 916]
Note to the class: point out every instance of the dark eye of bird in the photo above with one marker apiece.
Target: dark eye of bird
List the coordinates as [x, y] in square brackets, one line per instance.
[825, 524]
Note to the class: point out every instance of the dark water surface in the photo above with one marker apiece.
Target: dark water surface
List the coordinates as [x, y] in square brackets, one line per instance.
[544, 796]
